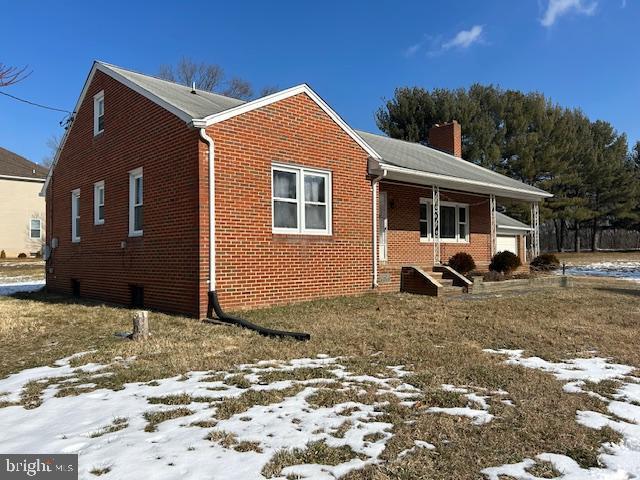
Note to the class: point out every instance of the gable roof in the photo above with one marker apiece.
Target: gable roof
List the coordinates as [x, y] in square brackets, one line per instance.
[16, 166]
[420, 158]
[506, 222]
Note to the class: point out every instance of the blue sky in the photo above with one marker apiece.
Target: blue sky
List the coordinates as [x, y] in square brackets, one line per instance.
[580, 53]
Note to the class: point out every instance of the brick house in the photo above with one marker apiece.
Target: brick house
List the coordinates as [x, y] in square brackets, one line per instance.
[161, 194]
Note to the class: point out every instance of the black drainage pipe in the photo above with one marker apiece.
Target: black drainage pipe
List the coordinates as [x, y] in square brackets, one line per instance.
[214, 306]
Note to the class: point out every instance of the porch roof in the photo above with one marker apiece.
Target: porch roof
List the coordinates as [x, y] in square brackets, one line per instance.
[505, 223]
[418, 163]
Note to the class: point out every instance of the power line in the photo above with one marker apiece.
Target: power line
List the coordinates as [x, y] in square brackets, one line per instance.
[34, 103]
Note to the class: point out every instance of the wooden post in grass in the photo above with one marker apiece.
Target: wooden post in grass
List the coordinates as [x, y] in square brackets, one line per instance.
[140, 325]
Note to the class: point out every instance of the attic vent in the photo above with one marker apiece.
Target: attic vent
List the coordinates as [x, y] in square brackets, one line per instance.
[193, 87]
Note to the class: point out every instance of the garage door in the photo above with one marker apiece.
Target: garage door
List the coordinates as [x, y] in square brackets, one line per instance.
[507, 243]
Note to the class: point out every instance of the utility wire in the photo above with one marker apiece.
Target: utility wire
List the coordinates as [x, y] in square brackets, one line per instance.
[34, 103]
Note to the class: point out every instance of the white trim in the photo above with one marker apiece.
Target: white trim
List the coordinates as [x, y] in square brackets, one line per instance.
[276, 97]
[75, 214]
[211, 154]
[97, 98]
[457, 205]
[524, 229]
[133, 176]
[39, 237]
[300, 201]
[526, 194]
[30, 179]
[96, 205]
[384, 226]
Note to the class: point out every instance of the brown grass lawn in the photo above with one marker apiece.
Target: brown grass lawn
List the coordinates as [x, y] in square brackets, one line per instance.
[439, 339]
[11, 268]
[584, 258]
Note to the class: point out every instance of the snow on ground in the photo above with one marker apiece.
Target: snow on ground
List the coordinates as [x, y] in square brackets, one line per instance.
[477, 408]
[107, 428]
[622, 270]
[11, 287]
[619, 461]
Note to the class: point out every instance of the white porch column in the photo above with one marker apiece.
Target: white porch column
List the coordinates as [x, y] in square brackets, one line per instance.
[535, 225]
[494, 228]
[436, 224]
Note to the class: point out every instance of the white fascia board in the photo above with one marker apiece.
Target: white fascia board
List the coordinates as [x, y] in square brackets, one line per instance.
[23, 179]
[461, 183]
[513, 229]
[278, 96]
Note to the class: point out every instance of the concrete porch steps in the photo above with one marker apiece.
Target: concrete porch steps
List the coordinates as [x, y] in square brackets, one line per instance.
[433, 281]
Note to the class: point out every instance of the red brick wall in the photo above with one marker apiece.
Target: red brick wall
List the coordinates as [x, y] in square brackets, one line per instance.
[137, 133]
[404, 245]
[256, 267]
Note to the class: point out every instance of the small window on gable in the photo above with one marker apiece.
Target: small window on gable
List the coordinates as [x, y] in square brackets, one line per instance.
[136, 204]
[98, 113]
[75, 215]
[35, 229]
[98, 203]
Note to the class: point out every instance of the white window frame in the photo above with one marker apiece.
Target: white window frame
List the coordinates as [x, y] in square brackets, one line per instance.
[96, 205]
[301, 172]
[133, 175]
[75, 214]
[97, 99]
[458, 206]
[39, 237]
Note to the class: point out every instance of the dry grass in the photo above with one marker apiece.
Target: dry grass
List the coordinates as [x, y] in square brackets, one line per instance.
[584, 258]
[440, 340]
[27, 267]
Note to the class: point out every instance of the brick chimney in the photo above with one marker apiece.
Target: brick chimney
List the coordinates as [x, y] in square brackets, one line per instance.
[447, 137]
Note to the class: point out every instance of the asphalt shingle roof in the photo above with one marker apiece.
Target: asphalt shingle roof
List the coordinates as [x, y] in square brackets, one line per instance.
[419, 157]
[14, 165]
[197, 105]
[505, 221]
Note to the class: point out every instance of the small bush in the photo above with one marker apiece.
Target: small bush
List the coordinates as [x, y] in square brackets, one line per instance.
[3, 254]
[545, 262]
[504, 262]
[22, 255]
[462, 262]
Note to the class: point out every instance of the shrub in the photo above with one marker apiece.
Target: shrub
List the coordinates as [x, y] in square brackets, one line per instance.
[546, 261]
[462, 262]
[22, 255]
[3, 254]
[504, 262]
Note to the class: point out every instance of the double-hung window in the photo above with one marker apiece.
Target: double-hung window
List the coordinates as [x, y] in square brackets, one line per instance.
[135, 203]
[98, 203]
[301, 200]
[98, 113]
[454, 218]
[75, 215]
[35, 229]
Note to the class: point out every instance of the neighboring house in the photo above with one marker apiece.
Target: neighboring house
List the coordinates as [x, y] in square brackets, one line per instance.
[161, 194]
[22, 210]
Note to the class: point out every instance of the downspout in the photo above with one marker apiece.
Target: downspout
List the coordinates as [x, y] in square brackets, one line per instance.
[374, 228]
[212, 209]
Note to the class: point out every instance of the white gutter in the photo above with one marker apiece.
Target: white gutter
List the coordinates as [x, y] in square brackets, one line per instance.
[374, 228]
[24, 179]
[212, 209]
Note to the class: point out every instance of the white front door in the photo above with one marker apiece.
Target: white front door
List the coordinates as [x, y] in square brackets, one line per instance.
[383, 223]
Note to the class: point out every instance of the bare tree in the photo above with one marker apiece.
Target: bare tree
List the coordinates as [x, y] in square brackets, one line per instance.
[238, 88]
[10, 75]
[268, 90]
[208, 77]
[52, 143]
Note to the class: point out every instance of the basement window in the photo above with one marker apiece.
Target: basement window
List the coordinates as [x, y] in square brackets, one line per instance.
[136, 205]
[75, 215]
[98, 113]
[35, 229]
[301, 200]
[454, 218]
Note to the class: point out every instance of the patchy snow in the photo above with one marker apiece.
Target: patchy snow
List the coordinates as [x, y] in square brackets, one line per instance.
[417, 444]
[618, 461]
[107, 428]
[620, 269]
[10, 288]
[479, 415]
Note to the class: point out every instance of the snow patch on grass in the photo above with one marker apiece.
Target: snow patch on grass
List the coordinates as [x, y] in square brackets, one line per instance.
[619, 461]
[20, 286]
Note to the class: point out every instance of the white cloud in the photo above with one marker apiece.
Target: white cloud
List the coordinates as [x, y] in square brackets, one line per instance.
[464, 38]
[411, 50]
[558, 8]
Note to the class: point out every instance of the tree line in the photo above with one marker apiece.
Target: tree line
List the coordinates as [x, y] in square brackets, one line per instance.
[587, 165]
